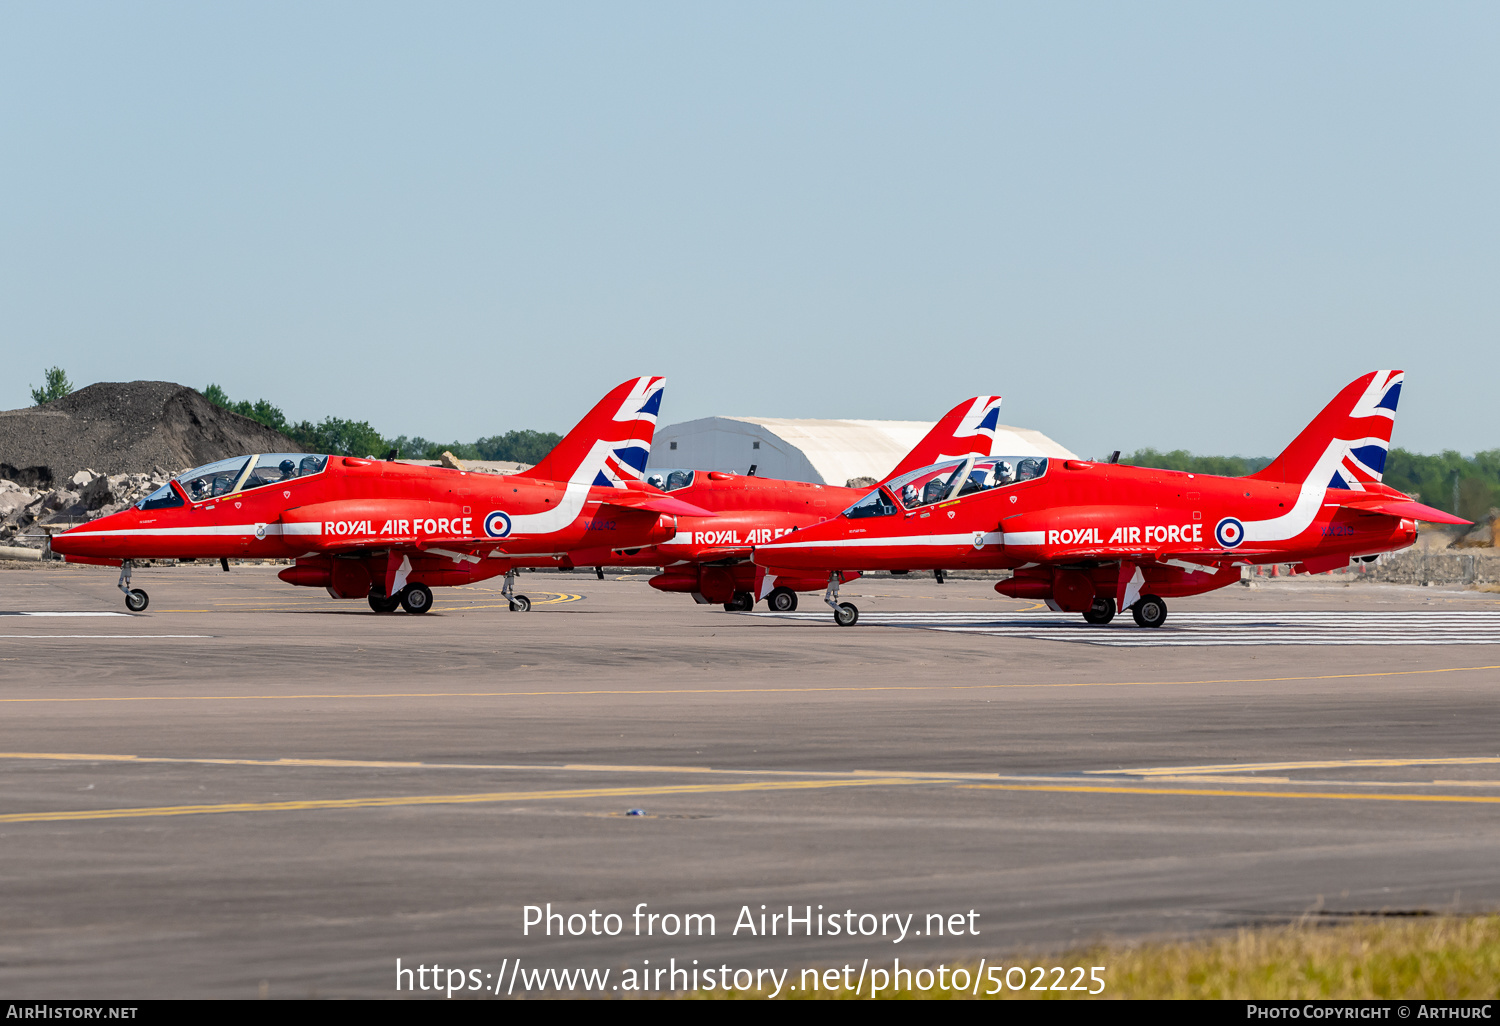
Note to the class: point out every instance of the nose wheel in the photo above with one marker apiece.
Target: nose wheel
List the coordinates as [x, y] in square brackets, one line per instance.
[517, 603]
[136, 600]
[845, 614]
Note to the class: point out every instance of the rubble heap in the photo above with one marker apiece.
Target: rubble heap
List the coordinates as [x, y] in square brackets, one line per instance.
[28, 514]
[134, 427]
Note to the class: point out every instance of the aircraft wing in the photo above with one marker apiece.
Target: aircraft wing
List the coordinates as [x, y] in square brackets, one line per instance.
[1408, 509]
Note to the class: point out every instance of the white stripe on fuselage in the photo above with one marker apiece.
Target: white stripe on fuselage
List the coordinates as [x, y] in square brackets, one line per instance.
[990, 538]
[205, 531]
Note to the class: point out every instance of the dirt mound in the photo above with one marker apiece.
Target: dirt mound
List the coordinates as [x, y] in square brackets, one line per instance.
[130, 427]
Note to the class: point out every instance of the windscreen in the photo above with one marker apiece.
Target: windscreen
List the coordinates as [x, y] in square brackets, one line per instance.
[953, 479]
[669, 480]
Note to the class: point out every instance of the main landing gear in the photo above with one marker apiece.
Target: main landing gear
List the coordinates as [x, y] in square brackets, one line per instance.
[518, 603]
[136, 601]
[845, 614]
[414, 598]
[782, 600]
[1103, 610]
[1149, 611]
[742, 602]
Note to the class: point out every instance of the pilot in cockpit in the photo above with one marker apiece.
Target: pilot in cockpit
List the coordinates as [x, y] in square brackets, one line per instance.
[657, 481]
[288, 470]
[1004, 473]
[909, 497]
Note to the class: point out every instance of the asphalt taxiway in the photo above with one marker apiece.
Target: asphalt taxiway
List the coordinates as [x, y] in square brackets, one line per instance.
[256, 789]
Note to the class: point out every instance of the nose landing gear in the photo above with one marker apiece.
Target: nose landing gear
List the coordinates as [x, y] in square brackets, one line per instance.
[845, 614]
[517, 603]
[137, 600]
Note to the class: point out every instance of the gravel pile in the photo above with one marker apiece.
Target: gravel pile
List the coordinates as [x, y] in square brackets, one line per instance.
[135, 427]
[105, 446]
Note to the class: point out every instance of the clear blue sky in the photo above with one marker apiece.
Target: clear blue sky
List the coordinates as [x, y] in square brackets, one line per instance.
[1179, 225]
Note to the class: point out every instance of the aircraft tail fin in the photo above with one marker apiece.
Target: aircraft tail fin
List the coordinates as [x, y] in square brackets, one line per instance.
[1345, 446]
[966, 430]
[612, 443]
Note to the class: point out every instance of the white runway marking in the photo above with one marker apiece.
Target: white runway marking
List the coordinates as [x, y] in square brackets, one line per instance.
[1394, 627]
[9, 612]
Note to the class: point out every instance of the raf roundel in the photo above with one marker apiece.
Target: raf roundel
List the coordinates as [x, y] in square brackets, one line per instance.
[1229, 532]
[497, 525]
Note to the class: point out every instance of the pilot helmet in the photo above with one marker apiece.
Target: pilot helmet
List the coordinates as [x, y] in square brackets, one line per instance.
[286, 467]
[909, 496]
[1004, 472]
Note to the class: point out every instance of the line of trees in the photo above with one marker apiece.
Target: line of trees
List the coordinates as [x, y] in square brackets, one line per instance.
[1466, 485]
[357, 438]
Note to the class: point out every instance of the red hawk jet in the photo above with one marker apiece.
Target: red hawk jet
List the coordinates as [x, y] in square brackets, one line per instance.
[710, 559]
[391, 532]
[1092, 538]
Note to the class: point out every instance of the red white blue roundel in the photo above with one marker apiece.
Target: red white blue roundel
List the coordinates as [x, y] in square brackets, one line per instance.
[1229, 532]
[497, 525]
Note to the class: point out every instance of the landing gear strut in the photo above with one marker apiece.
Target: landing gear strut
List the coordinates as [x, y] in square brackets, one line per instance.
[845, 614]
[518, 603]
[1149, 611]
[136, 601]
[742, 602]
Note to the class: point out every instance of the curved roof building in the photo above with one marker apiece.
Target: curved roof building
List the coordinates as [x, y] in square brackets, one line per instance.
[820, 451]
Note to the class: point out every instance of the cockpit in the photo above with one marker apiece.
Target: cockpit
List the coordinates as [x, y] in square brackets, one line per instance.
[669, 480]
[239, 474]
[951, 479]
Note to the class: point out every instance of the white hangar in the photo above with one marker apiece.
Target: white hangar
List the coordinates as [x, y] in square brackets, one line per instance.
[820, 451]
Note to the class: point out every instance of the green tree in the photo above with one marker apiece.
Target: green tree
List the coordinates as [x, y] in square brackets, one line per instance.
[261, 411]
[1181, 459]
[56, 386]
[517, 446]
[339, 437]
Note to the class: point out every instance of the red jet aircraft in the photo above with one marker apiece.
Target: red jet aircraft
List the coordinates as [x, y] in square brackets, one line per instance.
[710, 559]
[1091, 538]
[390, 531]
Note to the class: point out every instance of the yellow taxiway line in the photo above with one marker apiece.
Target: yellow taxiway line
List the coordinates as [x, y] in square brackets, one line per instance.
[395, 801]
[1207, 792]
[1250, 767]
[931, 688]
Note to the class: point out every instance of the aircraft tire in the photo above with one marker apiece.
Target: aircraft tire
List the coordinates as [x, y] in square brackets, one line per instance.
[1149, 611]
[381, 604]
[520, 604]
[416, 598]
[742, 602]
[782, 600]
[1102, 612]
[846, 615]
[137, 600]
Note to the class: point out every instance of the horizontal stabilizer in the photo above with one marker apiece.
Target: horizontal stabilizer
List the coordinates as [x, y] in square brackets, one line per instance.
[1407, 508]
[657, 504]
